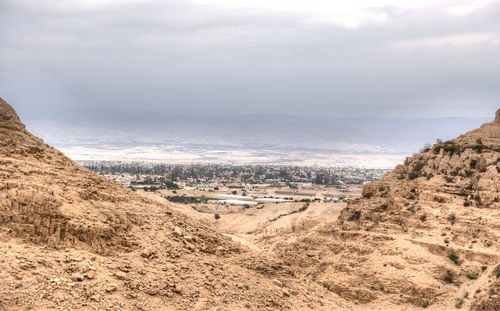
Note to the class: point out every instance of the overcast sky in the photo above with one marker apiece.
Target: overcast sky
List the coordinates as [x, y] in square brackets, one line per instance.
[67, 59]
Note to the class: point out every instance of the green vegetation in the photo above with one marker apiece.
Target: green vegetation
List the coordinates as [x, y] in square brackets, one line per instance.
[418, 167]
[213, 176]
[181, 199]
[459, 302]
[416, 171]
[452, 218]
[188, 200]
[171, 185]
[479, 146]
[217, 216]
[472, 275]
[439, 199]
[427, 147]
[496, 271]
[453, 256]
[448, 146]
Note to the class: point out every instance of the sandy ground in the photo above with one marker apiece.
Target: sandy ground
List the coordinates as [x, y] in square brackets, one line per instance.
[265, 226]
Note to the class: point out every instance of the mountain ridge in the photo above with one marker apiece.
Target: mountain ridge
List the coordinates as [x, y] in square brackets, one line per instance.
[421, 235]
[71, 239]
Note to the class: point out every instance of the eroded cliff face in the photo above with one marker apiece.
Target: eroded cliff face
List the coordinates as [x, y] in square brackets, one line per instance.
[45, 197]
[70, 239]
[427, 233]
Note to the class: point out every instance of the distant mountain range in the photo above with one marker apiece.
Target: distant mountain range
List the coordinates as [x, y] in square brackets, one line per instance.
[337, 135]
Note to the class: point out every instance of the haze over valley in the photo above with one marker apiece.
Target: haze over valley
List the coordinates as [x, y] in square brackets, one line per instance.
[271, 139]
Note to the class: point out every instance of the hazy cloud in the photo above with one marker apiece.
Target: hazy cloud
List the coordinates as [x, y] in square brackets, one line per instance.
[71, 59]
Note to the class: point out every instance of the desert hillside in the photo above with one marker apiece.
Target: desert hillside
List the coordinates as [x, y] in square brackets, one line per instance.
[70, 239]
[426, 235]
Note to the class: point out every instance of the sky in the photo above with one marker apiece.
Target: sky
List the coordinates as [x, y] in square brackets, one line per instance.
[130, 60]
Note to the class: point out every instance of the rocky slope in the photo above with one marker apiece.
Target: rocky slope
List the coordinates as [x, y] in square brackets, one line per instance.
[70, 239]
[426, 235]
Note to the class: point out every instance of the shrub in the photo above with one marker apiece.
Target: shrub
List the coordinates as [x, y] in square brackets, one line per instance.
[355, 216]
[459, 302]
[415, 172]
[426, 148]
[468, 173]
[217, 216]
[449, 276]
[449, 146]
[412, 175]
[496, 271]
[182, 199]
[452, 218]
[418, 167]
[453, 256]
[473, 163]
[479, 146]
[472, 275]
[171, 185]
[439, 199]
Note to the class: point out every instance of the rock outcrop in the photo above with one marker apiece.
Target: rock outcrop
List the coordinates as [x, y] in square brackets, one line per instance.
[9, 118]
[427, 234]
